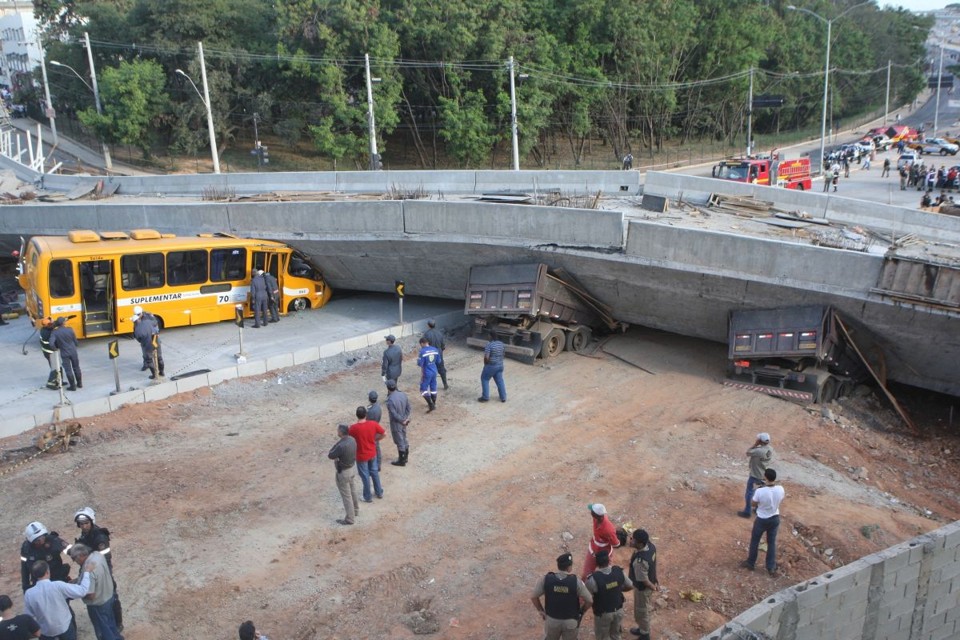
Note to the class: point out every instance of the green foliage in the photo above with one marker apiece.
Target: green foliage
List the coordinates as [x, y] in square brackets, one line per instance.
[633, 73]
[134, 101]
[466, 128]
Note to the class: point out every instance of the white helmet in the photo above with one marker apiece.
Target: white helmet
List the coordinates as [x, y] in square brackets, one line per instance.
[87, 513]
[34, 530]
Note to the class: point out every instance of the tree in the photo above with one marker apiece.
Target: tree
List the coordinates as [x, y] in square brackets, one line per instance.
[466, 128]
[134, 103]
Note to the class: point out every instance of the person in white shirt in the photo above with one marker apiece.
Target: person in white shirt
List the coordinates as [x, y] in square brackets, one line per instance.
[766, 500]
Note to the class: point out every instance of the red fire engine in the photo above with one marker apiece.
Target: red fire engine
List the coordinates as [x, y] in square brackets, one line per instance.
[791, 174]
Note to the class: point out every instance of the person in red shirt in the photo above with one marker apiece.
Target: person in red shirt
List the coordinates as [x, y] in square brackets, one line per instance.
[604, 539]
[367, 433]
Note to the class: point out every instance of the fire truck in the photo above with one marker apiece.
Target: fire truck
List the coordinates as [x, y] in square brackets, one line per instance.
[768, 170]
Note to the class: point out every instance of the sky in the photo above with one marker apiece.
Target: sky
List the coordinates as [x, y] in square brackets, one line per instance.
[917, 5]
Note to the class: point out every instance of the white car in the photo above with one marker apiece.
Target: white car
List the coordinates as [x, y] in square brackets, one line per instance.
[882, 142]
[865, 146]
[938, 145]
[907, 158]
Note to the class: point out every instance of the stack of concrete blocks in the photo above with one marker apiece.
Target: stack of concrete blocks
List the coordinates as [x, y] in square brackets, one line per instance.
[908, 592]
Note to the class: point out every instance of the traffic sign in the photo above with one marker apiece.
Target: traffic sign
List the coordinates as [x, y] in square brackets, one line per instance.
[398, 287]
[113, 349]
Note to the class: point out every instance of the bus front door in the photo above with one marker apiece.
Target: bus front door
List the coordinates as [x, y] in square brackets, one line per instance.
[271, 262]
[98, 296]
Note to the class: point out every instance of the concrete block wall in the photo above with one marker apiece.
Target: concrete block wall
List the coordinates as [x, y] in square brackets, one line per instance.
[910, 591]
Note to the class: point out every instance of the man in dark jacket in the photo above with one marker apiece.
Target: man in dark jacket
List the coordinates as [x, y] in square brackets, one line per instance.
[607, 584]
[392, 359]
[344, 456]
[145, 327]
[273, 296]
[46, 331]
[259, 298]
[64, 340]
[643, 574]
[562, 592]
[398, 406]
[41, 544]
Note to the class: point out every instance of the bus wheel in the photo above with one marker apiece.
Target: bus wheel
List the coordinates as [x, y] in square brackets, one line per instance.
[828, 392]
[553, 344]
[800, 187]
[299, 304]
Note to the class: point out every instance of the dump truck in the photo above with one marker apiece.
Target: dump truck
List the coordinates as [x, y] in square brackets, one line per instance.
[534, 310]
[797, 353]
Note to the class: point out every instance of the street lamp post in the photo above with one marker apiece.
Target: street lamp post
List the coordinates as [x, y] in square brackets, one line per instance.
[50, 113]
[936, 110]
[206, 103]
[826, 70]
[108, 164]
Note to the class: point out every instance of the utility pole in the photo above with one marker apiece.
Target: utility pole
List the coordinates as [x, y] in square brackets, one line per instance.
[750, 116]
[257, 149]
[51, 112]
[371, 122]
[206, 99]
[513, 118]
[107, 161]
[936, 112]
[886, 108]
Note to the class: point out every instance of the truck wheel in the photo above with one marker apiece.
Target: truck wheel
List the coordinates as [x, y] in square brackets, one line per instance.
[577, 340]
[799, 187]
[828, 392]
[553, 344]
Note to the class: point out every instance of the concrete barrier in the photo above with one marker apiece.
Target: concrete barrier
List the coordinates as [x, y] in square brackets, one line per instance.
[909, 591]
[13, 425]
[881, 217]
[466, 181]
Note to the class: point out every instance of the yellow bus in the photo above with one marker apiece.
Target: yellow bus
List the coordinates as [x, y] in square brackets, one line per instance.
[96, 279]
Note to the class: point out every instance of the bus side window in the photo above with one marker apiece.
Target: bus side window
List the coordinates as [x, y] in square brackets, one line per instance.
[228, 264]
[61, 279]
[187, 267]
[141, 271]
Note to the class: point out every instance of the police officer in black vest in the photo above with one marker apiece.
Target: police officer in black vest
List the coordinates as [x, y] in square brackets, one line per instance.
[643, 574]
[607, 584]
[41, 544]
[562, 592]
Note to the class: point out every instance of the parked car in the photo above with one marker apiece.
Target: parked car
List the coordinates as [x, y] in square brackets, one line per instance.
[882, 142]
[866, 146]
[907, 158]
[937, 145]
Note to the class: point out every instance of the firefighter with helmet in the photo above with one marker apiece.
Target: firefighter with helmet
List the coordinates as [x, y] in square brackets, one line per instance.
[98, 539]
[41, 544]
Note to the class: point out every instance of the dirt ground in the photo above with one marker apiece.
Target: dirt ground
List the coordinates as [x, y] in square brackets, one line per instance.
[222, 502]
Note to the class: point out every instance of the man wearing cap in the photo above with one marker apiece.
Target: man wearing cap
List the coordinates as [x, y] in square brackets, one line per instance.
[375, 413]
[767, 501]
[643, 574]
[604, 538]
[392, 360]
[366, 433]
[64, 340]
[398, 407]
[46, 331]
[258, 298]
[760, 455]
[344, 456]
[607, 584]
[428, 360]
[98, 539]
[435, 337]
[273, 293]
[145, 327]
[562, 592]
